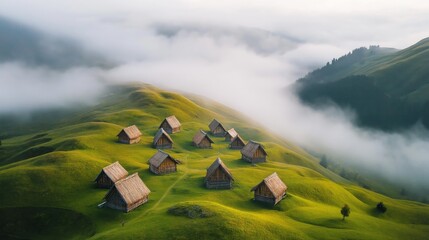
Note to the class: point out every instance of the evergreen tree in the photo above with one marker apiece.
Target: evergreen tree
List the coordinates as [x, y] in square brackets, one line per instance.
[324, 162]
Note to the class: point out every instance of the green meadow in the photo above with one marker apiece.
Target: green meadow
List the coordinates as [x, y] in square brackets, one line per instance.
[47, 177]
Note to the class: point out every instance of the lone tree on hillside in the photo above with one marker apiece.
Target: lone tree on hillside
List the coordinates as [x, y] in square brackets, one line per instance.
[345, 211]
[381, 208]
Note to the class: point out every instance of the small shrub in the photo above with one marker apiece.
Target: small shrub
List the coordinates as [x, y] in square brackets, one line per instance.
[190, 211]
[381, 207]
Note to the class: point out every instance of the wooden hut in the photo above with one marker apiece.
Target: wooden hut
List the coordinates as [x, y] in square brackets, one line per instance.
[162, 163]
[230, 134]
[202, 140]
[237, 143]
[217, 128]
[127, 194]
[162, 140]
[129, 135]
[110, 174]
[171, 125]
[253, 152]
[218, 176]
[271, 190]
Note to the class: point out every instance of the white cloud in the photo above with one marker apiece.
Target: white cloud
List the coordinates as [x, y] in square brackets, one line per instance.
[25, 89]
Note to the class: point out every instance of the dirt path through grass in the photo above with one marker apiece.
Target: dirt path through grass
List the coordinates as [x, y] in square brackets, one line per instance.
[165, 193]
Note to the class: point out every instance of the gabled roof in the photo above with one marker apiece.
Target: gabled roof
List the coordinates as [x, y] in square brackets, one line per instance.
[159, 157]
[199, 136]
[213, 125]
[216, 164]
[251, 148]
[131, 189]
[159, 134]
[232, 132]
[275, 184]
[172, 121]
[131, 131]
[114, 171]
[238, 137]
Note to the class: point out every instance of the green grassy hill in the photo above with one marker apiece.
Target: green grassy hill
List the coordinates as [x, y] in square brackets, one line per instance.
[47, 177]
[397, 84]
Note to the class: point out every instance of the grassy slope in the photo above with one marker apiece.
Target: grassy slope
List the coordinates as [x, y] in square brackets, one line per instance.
[55, 178]
[401, 74]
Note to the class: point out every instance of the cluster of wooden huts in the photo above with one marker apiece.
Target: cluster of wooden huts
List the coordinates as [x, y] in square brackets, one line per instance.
[126, 192]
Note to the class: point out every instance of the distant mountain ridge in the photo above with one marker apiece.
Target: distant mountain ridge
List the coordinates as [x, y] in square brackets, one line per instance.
[21, 43]
[388, 88]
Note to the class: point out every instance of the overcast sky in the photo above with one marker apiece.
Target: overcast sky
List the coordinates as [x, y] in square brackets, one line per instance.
[215, 48]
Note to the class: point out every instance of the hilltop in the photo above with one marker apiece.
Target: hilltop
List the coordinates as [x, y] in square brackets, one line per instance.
[47, 172]
[387, 88]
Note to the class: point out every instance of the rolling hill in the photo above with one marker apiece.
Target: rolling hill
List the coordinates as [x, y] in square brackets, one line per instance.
[47, 173]
[387, 88]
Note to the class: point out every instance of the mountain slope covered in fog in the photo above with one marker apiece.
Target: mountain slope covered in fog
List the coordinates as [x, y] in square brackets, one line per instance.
[21, 43]
[388, 89]
[49, 172]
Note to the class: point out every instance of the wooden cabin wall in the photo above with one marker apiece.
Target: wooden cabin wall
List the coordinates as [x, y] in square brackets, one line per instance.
[258, 156]
[153, 169]
[123, 138]
[259, 153]
[236, 145]
[114, 200]
[219, 175]
[219, 180]
[263, 190]
[137, 204]
[167, 166]
[205, 143]
[219, 185]
[135, 140]
[104, 181]
[263, 194]
[163, 142]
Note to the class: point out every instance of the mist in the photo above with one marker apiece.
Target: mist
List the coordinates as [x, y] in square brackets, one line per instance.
[244, 55]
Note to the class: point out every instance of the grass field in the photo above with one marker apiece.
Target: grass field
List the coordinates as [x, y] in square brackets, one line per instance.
[48, 192]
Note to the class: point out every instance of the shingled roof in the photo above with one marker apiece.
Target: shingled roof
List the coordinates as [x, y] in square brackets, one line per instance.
[132, 189]
[132, 132]
[114, 171]
[251, 148]
[159, 157]
[275, 184]
[239, 138]
[172, 121]
[232, 133]
[159, 134]
[216, 164]
[200, 135]
[213, 125]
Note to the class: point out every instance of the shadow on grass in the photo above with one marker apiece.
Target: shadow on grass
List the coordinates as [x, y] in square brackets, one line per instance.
[44, 223]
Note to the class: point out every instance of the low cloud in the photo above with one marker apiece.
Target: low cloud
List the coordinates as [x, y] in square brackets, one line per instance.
[24, 89]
